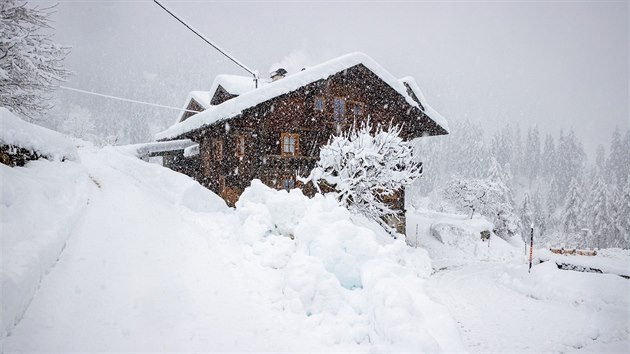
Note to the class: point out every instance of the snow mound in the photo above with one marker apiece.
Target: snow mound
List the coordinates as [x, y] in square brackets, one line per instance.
[612, 260]
[454, 239]
[343, 274]
[40, 203]
[44, 142]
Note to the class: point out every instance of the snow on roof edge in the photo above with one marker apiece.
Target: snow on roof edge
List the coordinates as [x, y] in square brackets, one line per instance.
[428, 110]
[199, 98]
[290, 83]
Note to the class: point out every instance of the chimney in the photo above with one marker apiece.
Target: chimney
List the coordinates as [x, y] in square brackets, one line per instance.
[278, 74]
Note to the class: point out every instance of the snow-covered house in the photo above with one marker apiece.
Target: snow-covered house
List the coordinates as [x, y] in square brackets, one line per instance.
[273, 132]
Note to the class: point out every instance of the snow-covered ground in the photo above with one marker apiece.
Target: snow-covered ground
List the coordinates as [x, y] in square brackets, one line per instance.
[155, 262]
[500, 307]
[109, 253]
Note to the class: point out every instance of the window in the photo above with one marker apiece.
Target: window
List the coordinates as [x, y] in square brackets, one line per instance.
[288, 183]
[357, 109]
[240, 146]
[339, 111]
[319, 104]
[289, 144]
[218, 149]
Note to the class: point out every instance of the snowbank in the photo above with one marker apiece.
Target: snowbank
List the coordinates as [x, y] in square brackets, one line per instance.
[344, 275]
[455, 239]
[613, 261]
[41, 203]
[44, 142]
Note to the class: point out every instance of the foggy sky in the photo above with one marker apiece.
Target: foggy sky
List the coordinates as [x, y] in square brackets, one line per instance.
[551, 64]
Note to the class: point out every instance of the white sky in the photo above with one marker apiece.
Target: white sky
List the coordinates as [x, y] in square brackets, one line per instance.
[557, 64]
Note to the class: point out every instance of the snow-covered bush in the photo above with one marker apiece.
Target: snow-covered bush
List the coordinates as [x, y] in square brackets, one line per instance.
[487, 198]
[366, 168]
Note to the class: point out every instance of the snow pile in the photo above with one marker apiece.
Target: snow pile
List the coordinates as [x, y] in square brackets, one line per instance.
[45, 142]
[41, 204]
[613, 260]
[455, 239]
[346, 277]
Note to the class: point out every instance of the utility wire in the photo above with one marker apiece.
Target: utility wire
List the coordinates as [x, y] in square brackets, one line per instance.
[214, 45]
[126, 99]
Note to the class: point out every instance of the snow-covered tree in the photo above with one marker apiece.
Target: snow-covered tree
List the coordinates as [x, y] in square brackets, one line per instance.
[572, 218]
[30, 62]
[527, 214]
[548, 158]
[540, 214]
[621, 218]
[79, 123]
[366, 168]
[571, 161]
[531, 159]
[486, 198]
[600, 158]
[599, 213]
[618, 163]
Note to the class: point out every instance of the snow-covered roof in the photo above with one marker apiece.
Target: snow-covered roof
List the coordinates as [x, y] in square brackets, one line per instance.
[252, 97]
[234, 84]
[145, 149]
[201, 97]
[435, 115]
[45, 142]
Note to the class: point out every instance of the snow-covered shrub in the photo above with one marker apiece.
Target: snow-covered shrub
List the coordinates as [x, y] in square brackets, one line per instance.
[487, 198]
[366, 168]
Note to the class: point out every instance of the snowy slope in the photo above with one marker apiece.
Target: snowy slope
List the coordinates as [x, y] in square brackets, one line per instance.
[157, 263]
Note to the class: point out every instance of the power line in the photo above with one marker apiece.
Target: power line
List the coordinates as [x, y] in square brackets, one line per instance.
[126, 99]
[214, 45]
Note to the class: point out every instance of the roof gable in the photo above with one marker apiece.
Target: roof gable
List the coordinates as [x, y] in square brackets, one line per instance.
[252, 97]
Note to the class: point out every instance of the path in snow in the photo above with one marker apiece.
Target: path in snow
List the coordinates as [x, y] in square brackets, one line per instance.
[497, 312]
[140, 275]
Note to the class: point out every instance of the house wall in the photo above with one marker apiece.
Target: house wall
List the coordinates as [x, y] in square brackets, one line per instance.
[295, 113]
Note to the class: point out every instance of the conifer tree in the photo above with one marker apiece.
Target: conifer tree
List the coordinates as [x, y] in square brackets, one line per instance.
[600, 220]
[527, 217]
[621, 218]
[618, 164]
[572, 217]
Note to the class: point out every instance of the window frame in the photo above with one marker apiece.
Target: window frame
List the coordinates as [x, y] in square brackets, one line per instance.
[357, 104]
[296, 144]
[339, 116]
[240, 146]
[319, 100]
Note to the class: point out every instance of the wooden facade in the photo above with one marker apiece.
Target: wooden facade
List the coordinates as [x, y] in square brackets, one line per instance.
[279, 138]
